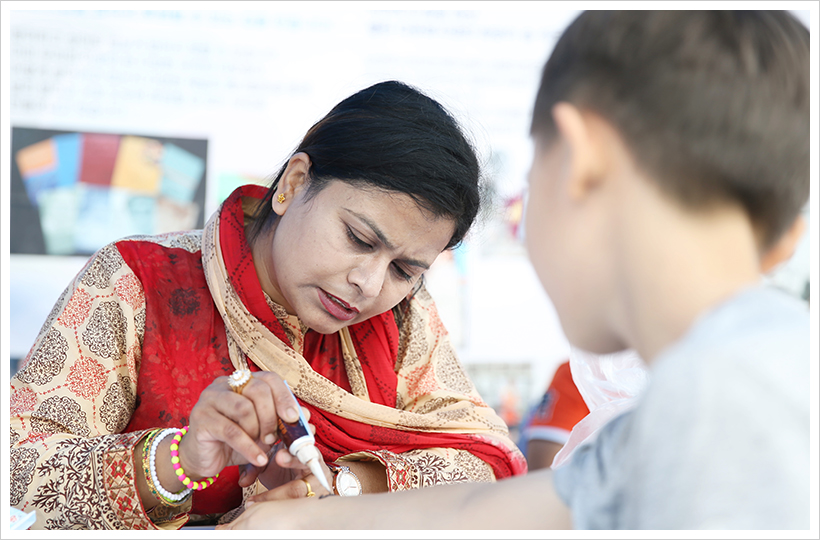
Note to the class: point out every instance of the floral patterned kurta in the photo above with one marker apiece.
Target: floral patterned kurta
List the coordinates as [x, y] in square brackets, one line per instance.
[81, 401]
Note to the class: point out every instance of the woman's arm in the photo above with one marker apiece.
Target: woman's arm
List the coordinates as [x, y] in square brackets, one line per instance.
[73, 394]
[424, 467]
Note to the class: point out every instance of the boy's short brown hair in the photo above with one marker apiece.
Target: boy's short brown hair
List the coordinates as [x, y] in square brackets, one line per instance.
[714, 105]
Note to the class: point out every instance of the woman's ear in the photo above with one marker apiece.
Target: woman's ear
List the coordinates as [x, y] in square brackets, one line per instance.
[293, 181]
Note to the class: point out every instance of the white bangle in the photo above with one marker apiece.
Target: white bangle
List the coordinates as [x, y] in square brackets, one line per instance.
[152, 460]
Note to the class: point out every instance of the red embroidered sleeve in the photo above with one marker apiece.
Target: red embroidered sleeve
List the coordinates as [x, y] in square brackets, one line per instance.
[427, 467]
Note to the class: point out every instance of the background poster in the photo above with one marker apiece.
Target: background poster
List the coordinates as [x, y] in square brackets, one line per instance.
[74, 192]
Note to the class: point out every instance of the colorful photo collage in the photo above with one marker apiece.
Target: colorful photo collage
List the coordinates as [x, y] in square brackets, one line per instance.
[74, 192]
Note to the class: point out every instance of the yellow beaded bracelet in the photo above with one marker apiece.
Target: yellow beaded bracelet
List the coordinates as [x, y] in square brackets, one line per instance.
[187, 482]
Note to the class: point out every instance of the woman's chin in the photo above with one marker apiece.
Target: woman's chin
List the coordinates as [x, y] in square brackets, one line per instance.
[326, 324]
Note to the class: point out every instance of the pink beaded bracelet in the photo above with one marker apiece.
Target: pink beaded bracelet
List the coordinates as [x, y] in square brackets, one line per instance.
[187, 482]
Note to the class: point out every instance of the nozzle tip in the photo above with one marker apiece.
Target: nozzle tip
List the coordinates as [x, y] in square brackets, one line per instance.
[316, 469]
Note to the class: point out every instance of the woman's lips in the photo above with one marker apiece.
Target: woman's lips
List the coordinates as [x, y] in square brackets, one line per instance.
[336, 306]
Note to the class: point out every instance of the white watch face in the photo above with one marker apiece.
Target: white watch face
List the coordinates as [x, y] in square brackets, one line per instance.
[347, 484]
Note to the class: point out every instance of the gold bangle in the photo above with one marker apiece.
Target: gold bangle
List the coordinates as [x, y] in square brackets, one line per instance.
[145, 467]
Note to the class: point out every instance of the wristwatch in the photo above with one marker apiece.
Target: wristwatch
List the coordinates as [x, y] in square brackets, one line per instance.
[345, 481]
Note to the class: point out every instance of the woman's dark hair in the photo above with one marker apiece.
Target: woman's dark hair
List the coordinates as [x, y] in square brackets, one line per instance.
[713, 104]
[392, 137]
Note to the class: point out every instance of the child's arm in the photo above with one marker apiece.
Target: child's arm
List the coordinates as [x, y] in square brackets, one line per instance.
[521, 502]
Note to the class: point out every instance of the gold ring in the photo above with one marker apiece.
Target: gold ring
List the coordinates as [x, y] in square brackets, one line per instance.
[310, 491]
[239, 379]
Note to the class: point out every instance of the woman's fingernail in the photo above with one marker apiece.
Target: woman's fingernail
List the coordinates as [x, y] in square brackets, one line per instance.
[261, 459]
[247, 504]
[270, 438]
[293, 413]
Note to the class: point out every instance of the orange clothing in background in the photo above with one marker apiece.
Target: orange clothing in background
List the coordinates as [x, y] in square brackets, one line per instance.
[556, 414]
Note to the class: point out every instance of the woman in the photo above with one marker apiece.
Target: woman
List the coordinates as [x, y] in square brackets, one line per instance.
[316, 281]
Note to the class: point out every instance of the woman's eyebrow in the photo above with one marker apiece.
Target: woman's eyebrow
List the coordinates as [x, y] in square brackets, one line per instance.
[384, 240]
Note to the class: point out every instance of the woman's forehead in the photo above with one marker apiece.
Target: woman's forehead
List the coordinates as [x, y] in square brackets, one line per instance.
[380, 200]
[396, 219]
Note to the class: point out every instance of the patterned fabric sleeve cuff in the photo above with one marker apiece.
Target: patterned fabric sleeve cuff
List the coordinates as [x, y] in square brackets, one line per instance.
[402, 474]
[119, 473]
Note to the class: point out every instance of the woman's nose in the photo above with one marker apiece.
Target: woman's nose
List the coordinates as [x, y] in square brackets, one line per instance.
[369, 277]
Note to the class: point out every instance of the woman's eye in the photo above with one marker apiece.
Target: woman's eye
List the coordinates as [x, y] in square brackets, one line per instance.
[401, 273]
[356, 240]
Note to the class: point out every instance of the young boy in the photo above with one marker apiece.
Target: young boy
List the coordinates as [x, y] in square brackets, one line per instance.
[672, 156]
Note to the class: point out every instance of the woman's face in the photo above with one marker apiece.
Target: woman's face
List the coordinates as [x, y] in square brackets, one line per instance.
[346, 254]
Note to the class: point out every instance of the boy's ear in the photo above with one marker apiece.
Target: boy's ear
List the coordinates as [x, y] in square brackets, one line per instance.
[784, 248]
[294, 179]
[580, 131]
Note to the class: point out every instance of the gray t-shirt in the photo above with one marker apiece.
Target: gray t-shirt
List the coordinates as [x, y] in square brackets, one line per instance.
[719, 440]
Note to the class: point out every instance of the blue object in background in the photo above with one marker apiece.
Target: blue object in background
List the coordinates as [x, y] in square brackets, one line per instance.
[94, 228]
[69, 156]
[181, 173]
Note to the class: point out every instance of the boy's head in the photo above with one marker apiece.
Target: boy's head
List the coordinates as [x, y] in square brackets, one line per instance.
[713, 105]
[657, 129]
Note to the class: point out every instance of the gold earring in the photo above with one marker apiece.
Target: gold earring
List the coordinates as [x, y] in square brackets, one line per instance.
[281, 198]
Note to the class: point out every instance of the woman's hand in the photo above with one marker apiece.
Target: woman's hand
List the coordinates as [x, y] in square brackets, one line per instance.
[227, 428]
[287, 478]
